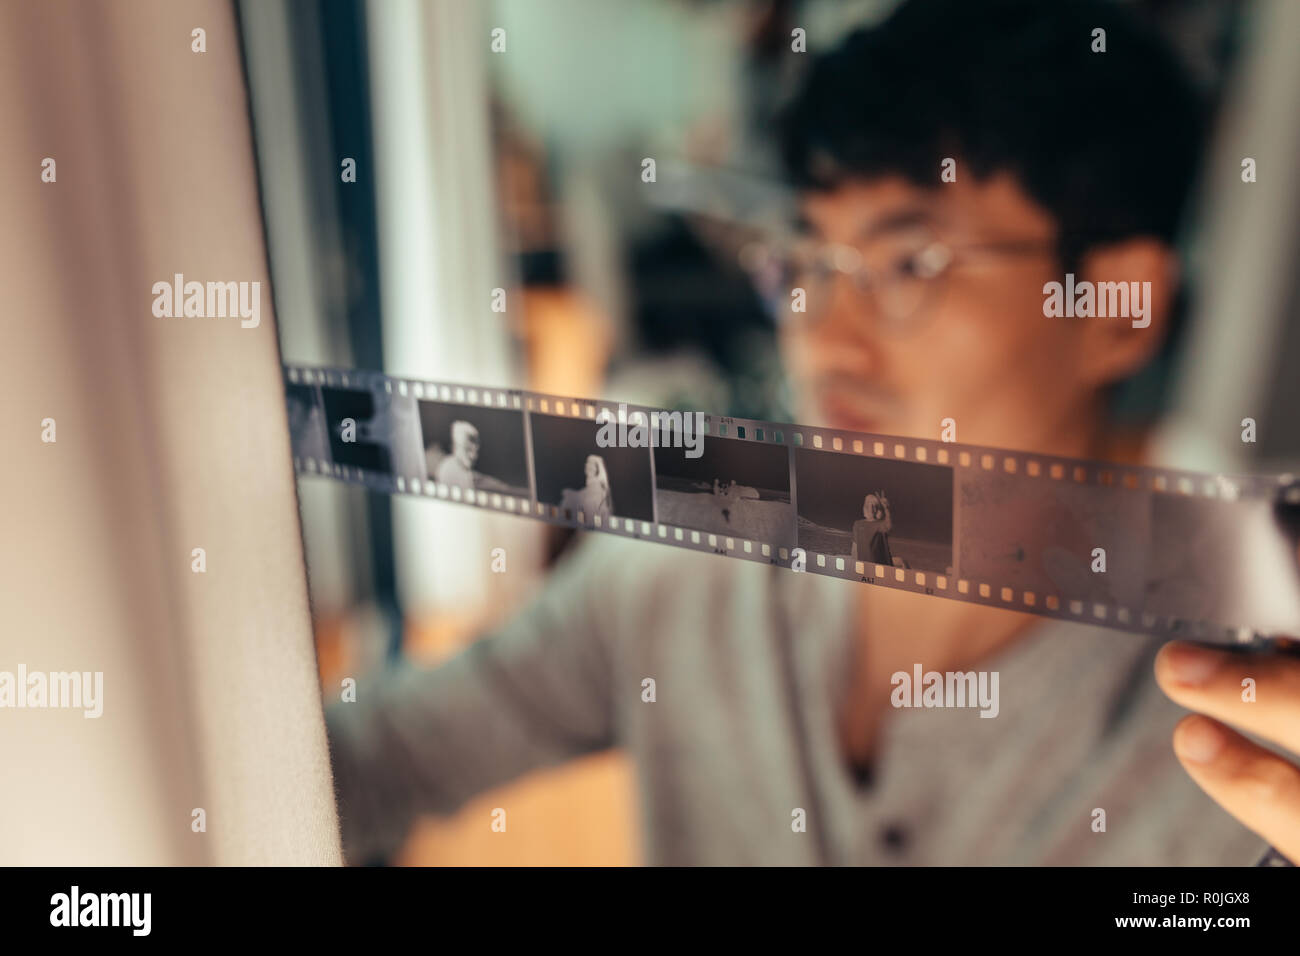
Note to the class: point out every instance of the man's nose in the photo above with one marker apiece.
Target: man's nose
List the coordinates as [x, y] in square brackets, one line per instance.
[848, 327]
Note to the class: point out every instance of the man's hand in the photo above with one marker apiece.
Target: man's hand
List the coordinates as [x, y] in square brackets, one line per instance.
[1256, 786]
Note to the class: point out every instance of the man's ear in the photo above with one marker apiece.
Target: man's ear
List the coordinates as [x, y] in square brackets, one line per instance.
[1112, 348]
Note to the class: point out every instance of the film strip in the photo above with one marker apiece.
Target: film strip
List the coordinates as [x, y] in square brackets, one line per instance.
[1178, 553]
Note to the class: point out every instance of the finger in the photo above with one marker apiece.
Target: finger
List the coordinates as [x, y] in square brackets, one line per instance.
[1260, 693]
[1256, 786]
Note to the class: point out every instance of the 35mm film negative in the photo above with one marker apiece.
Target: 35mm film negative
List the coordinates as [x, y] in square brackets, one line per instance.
[1204, 557]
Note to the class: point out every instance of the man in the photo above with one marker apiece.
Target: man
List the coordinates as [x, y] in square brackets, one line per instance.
[771, 738]
[458, 467]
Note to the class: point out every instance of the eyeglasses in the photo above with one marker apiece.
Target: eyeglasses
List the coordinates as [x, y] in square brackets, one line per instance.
[903, 289]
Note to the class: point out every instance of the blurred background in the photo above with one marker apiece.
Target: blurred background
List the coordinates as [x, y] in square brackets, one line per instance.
[499, 145]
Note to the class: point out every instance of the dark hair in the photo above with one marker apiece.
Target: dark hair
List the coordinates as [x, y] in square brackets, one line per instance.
[1108, 143]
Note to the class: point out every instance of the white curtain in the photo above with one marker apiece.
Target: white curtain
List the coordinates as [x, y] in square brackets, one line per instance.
[171, 435]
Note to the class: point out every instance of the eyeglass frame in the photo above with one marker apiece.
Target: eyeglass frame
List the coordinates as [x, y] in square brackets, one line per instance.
[847, 260]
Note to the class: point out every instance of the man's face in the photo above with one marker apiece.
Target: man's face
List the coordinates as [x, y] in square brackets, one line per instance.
[981, 352]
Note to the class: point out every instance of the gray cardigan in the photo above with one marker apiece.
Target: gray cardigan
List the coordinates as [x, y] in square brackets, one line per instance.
[740, 737]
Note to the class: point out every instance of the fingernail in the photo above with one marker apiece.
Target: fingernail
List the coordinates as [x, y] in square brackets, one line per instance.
[1191, 665]
[1200, 741]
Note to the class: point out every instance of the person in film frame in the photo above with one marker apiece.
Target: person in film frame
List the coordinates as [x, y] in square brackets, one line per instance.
[871, 532]
[594, 499]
